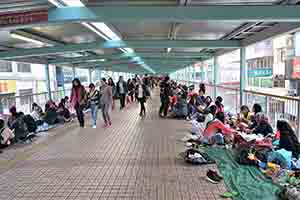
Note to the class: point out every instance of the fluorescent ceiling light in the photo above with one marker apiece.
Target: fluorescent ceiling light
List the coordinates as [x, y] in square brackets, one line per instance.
[56, 3]
[106, 30]
[73, 3]
[20, 37]
[95, 30]
[169, 50]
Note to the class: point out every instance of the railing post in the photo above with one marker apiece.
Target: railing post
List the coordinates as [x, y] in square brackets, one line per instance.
[243, 74]
[298, 118]
[48, 86]
[215, 75]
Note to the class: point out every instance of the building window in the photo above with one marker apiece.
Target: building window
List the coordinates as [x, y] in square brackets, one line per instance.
[5, 66]
[24, 67]
[26, 97]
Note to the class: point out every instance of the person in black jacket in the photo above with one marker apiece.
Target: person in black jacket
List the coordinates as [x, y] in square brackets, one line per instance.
[122, 91]
[288, 139]
[141, 93]
[131, 88]
[165, 92]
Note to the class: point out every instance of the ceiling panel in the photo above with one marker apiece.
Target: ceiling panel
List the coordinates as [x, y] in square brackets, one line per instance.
[205, 30]
[131, 2]
[233, 2]
[140, 30]
[70, 33]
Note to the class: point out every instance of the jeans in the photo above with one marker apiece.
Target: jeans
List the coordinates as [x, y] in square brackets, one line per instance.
[105, 113]
[79, 113]
[94, 112]
[122, 100]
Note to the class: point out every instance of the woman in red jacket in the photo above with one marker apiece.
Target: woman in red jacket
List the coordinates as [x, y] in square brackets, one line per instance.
[216, 130]
[78, 100]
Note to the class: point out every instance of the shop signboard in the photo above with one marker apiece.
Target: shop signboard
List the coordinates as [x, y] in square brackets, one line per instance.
[296, 68]
[265, 72]
[23, 18]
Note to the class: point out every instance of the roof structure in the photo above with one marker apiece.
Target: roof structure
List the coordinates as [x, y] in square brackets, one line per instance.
[138, 36]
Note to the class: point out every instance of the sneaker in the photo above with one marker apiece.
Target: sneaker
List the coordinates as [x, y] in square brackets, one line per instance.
[213, 177]
[94, 126]
[109, 123]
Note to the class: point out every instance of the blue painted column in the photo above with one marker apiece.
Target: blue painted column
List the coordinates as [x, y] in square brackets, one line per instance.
[48, 86]
[215, 75]
[243, 74]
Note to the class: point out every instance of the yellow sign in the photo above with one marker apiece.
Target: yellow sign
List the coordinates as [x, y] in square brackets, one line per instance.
[7, 86]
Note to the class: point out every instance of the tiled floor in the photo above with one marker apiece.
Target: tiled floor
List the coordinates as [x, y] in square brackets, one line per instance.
[134, 159]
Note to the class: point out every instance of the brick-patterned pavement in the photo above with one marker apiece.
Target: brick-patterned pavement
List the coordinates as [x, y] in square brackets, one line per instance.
[134, 159]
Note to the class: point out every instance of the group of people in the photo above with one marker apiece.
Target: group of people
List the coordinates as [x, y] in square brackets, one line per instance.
[136, 89]
[20, 127]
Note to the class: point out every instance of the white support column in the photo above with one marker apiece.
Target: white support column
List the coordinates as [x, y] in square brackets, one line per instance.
[243, 74]
[216, 75]
[90, 75]
[48, 86]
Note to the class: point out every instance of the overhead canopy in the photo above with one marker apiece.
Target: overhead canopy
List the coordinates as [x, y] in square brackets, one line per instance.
[137, 36]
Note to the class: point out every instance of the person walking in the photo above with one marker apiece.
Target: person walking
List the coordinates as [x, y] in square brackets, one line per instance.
[78, 100]
[131, 88]
[112, 84]
[93, 98]
[122, 91]
[141, 93]
[106, 101]
[165, 93]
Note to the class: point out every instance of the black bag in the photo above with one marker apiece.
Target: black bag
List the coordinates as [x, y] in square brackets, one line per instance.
[20, 128]
[30, 122]
[204, 159]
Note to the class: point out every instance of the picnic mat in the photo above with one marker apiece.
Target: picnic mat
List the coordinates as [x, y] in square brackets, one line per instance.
[248, 181]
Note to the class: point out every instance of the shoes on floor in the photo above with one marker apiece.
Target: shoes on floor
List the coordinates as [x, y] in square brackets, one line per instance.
[213, 177]
[94, 126]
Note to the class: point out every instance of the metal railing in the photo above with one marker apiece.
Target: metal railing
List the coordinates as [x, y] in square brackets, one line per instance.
[23, 103]
[275, 106]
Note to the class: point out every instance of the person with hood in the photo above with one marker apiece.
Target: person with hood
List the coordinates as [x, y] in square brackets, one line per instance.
[263, 126]
[122, 91]
[142, 94]
[78, 100]
[288, 139]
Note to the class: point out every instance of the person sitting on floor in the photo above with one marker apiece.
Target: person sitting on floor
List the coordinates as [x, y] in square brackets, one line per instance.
[50, 114]
[288, 139]
[63, 113]
[6, 135]
[13, 116]
[218, 103]
[263, 126]
[255, 109]
[20, 128]
[180, 110]
[37, 114]
[216, 130]
[244, 118]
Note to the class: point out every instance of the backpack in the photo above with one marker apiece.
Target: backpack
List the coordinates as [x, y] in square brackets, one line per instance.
[20, 127]
[201, 159]
[30, 122]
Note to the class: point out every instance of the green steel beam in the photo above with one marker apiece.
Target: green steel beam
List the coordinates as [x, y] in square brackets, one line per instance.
[145, 56]
[21, 53]
[247, 13]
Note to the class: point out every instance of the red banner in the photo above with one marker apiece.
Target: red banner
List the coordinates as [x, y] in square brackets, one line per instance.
[23, 18]
[296, 68]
